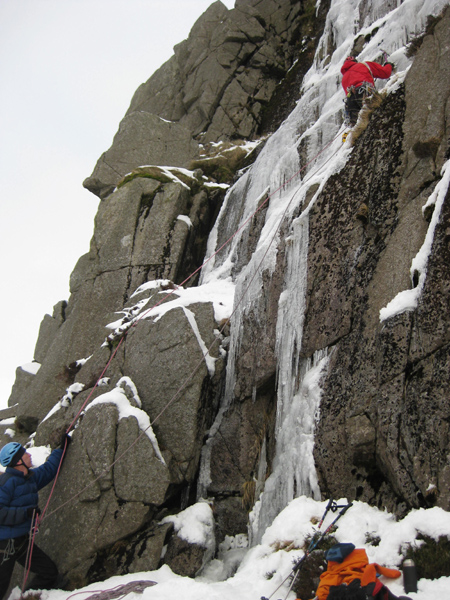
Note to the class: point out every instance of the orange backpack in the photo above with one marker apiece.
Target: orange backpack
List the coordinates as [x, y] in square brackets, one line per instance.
[354, 566]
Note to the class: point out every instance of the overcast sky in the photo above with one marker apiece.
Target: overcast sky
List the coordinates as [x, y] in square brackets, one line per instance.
[68, 70]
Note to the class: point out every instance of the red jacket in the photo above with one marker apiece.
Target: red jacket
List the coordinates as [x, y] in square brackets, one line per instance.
[356, 73]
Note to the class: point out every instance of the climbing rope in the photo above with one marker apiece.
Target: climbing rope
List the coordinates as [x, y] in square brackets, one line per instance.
[32, 535]
[40, 518]
[186, 382]
[120, 591]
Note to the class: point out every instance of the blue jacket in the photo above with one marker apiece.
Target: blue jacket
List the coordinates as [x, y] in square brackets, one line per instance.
[19, 492]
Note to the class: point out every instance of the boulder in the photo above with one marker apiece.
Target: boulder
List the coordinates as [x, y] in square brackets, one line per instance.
[183, 558]
[139, 476]
[180, 401]
[99, 499]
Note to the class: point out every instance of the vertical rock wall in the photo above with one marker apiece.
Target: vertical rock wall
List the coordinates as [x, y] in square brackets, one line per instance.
[122, 474]
[382, 434]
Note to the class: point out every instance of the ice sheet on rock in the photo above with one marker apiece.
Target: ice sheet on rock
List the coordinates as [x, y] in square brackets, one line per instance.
[306, 150]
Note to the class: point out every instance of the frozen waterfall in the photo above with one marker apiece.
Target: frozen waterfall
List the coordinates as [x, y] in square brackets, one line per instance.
[299, 157]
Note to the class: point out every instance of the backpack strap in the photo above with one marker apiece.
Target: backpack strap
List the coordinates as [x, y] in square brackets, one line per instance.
[370, 70]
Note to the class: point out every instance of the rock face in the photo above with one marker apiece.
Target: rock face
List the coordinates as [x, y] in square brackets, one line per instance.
[217, 86]
[171, 402]
[384, 388]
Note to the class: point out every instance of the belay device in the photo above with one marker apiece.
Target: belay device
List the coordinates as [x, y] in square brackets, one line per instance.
[334, 507]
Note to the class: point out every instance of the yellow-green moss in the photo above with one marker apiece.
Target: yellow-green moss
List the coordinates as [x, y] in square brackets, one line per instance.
[158, 174]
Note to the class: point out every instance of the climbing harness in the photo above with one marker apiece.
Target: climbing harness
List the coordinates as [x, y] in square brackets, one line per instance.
[39, 518]
[355, 99]
[315, 541]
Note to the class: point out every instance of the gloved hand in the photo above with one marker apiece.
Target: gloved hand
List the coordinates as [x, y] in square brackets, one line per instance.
[65, 441]
[392, 65]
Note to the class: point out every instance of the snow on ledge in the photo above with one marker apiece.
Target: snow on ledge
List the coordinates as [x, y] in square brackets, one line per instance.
[31, 367]
[195, 524]
[407, 299]
[118, 397]
[185, 219]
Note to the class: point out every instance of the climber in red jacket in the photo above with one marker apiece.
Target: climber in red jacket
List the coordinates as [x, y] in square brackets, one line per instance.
[358, 80]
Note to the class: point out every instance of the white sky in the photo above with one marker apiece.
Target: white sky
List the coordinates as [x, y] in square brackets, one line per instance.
[68, 70]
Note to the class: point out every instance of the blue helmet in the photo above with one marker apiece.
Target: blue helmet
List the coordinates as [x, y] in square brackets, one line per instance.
[11, 454]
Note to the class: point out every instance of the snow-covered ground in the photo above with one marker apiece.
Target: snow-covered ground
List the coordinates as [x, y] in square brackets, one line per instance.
[247, 574]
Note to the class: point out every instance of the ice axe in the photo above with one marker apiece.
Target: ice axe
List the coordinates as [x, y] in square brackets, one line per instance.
[334, 507]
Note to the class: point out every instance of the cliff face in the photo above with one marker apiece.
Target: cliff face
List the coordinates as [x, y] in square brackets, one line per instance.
[313, 381]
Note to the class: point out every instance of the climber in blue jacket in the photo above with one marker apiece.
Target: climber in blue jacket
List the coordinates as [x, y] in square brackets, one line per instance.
[19, 486]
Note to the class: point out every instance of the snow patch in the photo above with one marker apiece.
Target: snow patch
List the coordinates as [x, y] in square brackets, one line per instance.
[118, 397]
[186, 220]
[31, 367]
[209, 360]
[407, 300]
[195, 525]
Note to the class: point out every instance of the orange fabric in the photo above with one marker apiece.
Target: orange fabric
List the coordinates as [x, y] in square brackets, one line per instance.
[355, 566]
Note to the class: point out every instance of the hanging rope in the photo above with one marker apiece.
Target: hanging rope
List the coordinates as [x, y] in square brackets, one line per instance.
[186, 382]
[44, 514]
[243, 225]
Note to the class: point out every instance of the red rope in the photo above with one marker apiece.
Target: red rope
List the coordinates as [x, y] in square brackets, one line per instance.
[145, 313]
[33, 532]
[189, 378]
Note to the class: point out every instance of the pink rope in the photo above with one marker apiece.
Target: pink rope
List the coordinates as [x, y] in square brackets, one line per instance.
[189, 378]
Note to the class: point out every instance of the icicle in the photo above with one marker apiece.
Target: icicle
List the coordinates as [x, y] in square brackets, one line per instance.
[298, 393]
